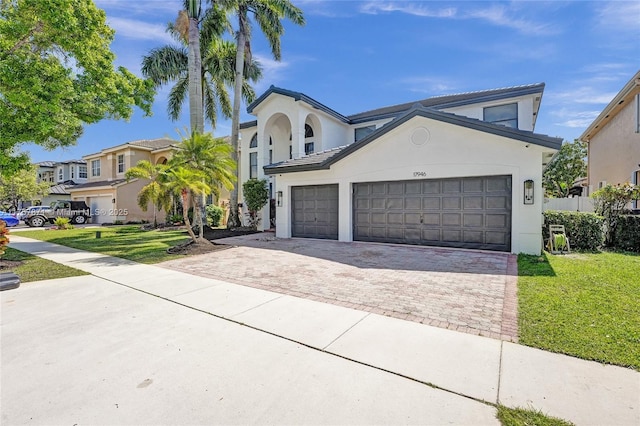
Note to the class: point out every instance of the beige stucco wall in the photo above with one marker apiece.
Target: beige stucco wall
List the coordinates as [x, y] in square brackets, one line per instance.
[452, 151]
[614, 152]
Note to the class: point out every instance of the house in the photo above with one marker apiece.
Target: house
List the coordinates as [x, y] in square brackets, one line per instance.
[462, 170]
[61, 176]
[108, 194]
[613, 140]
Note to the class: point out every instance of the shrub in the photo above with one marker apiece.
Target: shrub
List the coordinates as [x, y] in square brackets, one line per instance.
[175, 218]
[256, 195]
[584, 230]
[610, 202]
[627, 235]
[4, 239]
[214, 214]
[62, 223]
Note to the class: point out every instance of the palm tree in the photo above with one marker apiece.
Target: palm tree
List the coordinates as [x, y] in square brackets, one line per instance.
[268, 14]
[183, 181]
[210, 156]
[154, 191]
[217, 63]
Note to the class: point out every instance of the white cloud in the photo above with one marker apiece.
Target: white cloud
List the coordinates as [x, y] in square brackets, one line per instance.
[574, 118]
[272, 71]
[583, 95]
[416, 9]
[429, 85]
[139, 30]
[495, 14]
[619, 15]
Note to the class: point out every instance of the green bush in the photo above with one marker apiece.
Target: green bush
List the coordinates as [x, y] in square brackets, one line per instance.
[62, 223]
[584, 230]
[256, 195]
[214, 214]
[627, 235]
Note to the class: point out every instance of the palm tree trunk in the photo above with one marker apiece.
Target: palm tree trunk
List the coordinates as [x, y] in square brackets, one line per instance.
[196, 112]
[185, 215]
[234, 218]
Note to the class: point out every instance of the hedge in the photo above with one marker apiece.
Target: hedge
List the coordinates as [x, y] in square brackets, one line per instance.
[584, 230]
[627, 234]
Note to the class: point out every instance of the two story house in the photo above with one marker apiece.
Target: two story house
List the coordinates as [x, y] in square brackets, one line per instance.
[107, 192]
[462, 170]
[613, 140]
[61, 176]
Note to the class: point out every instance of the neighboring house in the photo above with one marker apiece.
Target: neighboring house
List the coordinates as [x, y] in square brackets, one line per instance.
[107, 192]
[613, 140]
[61, 176]
[446, 171]
[71, 171]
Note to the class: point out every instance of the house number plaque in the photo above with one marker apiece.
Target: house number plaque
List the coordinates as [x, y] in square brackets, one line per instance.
[419, 174]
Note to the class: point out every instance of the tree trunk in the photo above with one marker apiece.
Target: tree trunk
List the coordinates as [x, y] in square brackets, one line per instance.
[234, 218]
[196, 112]
[185, 215]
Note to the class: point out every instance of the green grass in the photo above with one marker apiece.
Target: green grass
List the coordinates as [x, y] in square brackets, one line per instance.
[35, 268]
[128, 242]
[527, 417]
[585, 305]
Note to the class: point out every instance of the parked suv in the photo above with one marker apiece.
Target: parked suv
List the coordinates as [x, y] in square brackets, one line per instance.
[76, 211]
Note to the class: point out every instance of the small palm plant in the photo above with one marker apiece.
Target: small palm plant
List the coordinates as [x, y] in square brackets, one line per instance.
[182, 181]
[154, 192]
[62, 223]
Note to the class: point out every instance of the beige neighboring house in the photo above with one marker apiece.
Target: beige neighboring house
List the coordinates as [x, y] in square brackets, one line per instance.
[108, 194]
[613, 140]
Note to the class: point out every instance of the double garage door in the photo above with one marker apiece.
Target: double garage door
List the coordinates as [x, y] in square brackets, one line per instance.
[473, 212]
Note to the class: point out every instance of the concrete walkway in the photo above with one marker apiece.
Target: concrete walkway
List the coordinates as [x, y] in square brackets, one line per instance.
[139, 344]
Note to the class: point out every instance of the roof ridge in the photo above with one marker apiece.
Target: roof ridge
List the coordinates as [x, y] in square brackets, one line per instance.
[471, 92]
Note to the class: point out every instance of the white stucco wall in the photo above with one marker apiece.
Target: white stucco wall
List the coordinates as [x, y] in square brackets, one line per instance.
[525, 110]
[452, 151]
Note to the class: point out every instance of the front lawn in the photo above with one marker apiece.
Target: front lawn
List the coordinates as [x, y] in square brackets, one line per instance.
[32, 268]
[127, 242]
[583, 304]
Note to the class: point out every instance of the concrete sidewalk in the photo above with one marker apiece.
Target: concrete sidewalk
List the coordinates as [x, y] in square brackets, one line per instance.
[290, 374]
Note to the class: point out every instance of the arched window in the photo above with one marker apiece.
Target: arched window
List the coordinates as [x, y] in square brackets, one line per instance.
[308, 131]
[254, 141]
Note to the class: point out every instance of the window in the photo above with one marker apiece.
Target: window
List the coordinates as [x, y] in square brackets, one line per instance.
[362, 132]
[270, 156]
[638, 113]
[308, 131]
[82, 172]
[506, 115]
[60, 174]
[73, 172]
[270, 141]
[253, 165]
[95, 168]
[308, 148]
[254, 141]
[121, 163]
[290, 152]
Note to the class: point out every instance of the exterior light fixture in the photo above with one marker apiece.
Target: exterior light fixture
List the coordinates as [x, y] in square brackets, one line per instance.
[113, 200]
[528, 191]
[279, 198]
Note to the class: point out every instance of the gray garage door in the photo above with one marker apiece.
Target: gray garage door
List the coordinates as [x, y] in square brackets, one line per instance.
[314, 211]
[472, 212]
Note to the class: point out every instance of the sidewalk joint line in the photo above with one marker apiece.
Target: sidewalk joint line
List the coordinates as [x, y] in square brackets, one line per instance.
[346, 331]
[259, 305]
[431, 385]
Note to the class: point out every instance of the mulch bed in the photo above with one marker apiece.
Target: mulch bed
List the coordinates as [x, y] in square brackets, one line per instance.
[207, 245]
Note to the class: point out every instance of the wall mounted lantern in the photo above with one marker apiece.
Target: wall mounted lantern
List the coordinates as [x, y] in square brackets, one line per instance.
[279, 198]
[113, 200]
[528, 191]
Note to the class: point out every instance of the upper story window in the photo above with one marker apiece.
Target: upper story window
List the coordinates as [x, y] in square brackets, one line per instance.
[95, 168]
[506, 115]
[308, 148]
[253, 165]
[60, 174]
[82, 172]
[308, 131]
[120, 163]
[73, 171]
[362, 132]
[254, 141]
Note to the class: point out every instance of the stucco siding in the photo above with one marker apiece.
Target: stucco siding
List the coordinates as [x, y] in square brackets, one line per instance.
[614, 152]
[451, 151]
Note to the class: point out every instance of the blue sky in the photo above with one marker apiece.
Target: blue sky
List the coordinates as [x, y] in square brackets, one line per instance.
[355, 56]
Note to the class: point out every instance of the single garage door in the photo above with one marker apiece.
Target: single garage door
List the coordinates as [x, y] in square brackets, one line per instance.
[473, 212]
[314, 211]
[100, 209]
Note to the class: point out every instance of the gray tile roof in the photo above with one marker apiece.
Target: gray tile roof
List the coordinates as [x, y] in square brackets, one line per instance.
[113, 182]
[46, 164]
[323, 160]
[60, 189]
[153, 143]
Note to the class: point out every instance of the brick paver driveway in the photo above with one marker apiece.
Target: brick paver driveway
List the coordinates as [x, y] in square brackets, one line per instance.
[468, 291]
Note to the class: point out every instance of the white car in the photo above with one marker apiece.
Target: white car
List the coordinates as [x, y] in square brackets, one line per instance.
[24, 213]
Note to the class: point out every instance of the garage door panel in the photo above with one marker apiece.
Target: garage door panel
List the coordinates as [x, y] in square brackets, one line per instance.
[431, 203]
[472, 212]
[471, 203]
[315, 211]
[451, 203]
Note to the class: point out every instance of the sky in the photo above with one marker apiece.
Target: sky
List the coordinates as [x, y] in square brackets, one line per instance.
[355, 56]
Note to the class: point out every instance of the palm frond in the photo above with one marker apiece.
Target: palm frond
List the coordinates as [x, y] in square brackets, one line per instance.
[165, 64]
[177, 96]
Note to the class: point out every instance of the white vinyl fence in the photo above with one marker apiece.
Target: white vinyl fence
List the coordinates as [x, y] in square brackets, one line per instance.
[575, 204]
